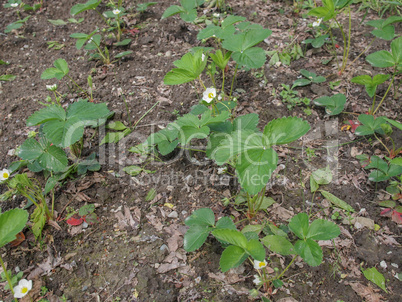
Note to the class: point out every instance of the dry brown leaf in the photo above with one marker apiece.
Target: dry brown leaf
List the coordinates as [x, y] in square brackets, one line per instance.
[366, 292]
[97, 177]
[20, 238]
[165, 267]
[46, 266]
[287, 299]
[350, 264]
[388, 240]
[176, 237]
[173, 256]
[228, 278]
[84, 185]
[156, 223]
[82, 197]
[174, 242]
[339, 243]
[360, 222]
[282, 213]
[75, 230]
[54, 224]
[126, 220]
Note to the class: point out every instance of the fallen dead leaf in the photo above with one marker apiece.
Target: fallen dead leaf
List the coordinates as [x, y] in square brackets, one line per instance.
[54, 224]
[350, 264]
[75, 230]
[46, 266]
[126, 220]
[366, 292]
[165, 267]
[156, 223]
[388, 240]
[228, 278]
[339, 243]
[176, 237]
[19, 238]
[360, 222]
[282, 213]
[287, 299]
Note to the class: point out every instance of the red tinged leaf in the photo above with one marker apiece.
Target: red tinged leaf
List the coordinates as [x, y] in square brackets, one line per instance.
[386, 212]
[91, 218]
[353, 125]
[75, 220]
[20, 237]
[132, 31]
[396, 217]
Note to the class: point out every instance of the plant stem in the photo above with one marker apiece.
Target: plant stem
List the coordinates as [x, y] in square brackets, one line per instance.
[249, 204]
[368, 46]
[381, 142]
[262, 195]
[383, 98]
[223, 81]
[283, 272]
[344, 59]
[372, 107]
[101, 15]
[190, 149]
[79, 87]
[8, 278]
[234, 76]
[136, 123]
[333, 46]
[201, 82]
[105, 60]
[118, 30]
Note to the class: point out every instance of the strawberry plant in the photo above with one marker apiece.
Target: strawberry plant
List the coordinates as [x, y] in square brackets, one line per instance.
[84, 214]
[11, 223]
[241, 245]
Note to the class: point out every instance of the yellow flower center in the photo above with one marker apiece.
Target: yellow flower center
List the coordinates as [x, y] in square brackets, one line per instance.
[210, 95]
[24, 290]
[261, 264]
[5, 175]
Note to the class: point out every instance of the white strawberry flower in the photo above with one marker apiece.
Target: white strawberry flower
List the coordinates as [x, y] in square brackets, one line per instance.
[14, 4]
[116, 11]
[22, 289]
[257, 280]
[260, 264]
[51, 87]
[317, 23]
[4, 174]
[222, 170]
[209, 94]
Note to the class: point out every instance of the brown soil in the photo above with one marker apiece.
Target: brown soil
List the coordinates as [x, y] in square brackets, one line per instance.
[109, 261]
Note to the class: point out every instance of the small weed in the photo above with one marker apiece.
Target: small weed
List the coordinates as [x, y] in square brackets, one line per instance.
[291, 99]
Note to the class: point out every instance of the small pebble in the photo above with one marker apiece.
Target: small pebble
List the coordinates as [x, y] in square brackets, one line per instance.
[173, 215]
[383, 264]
